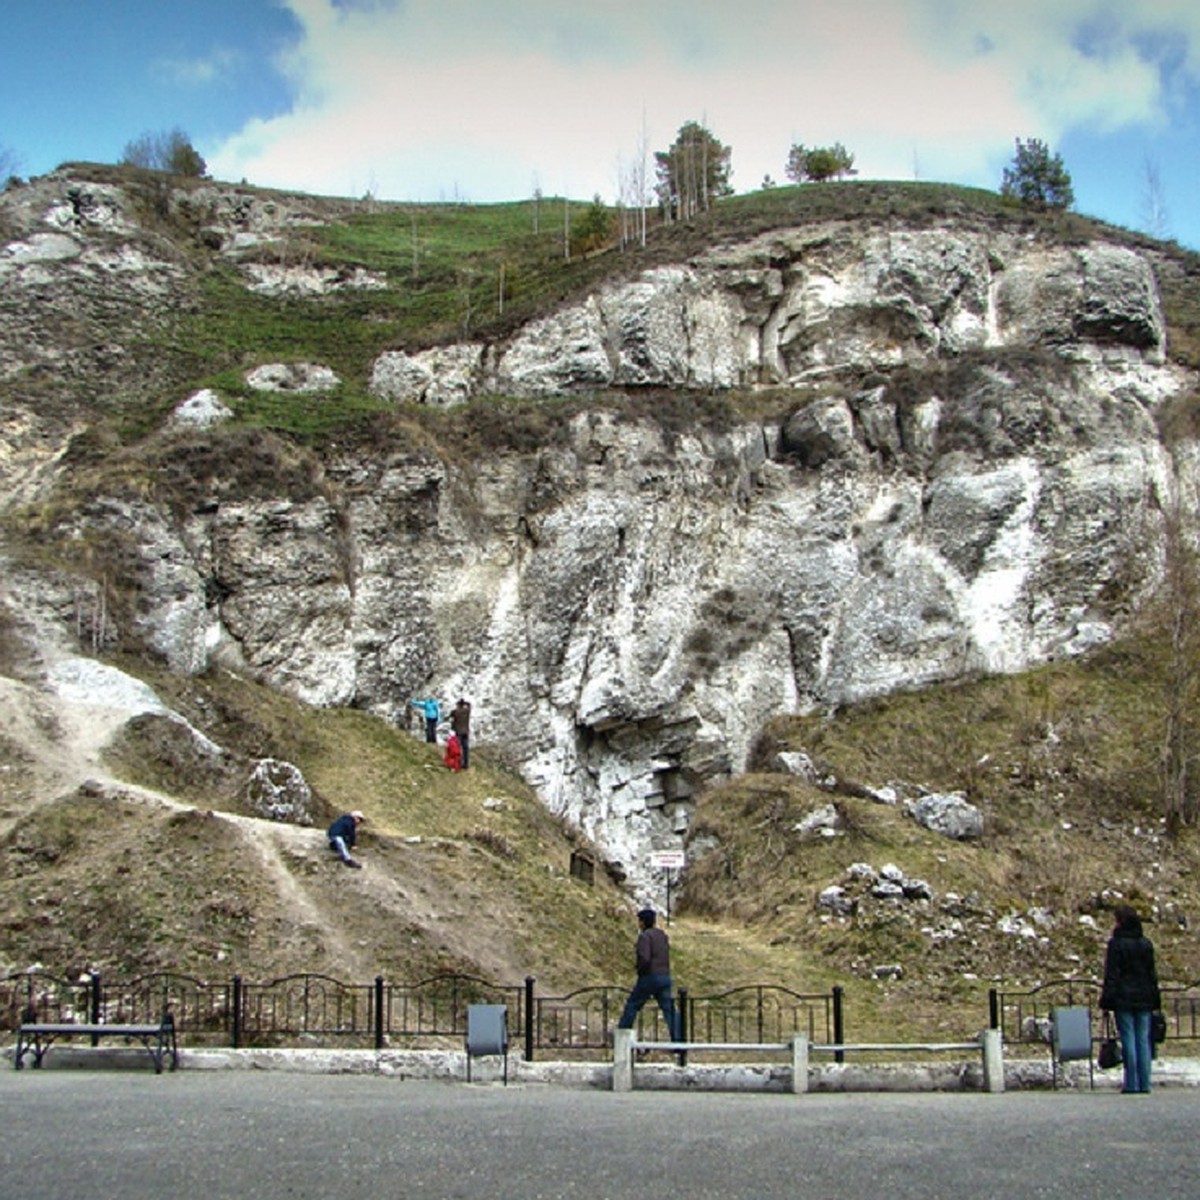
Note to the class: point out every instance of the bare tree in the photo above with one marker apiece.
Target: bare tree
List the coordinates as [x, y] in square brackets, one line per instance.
[1155, 219]
[625, 204]
[643, 194]
[10, 165]
[465, 281]
[171, 151]
[634, 196]
[1179, 753]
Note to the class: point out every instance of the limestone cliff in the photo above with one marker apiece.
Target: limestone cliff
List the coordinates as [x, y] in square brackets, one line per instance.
[962, 471]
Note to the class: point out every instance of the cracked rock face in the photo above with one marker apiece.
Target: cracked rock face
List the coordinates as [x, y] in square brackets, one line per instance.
[626, 642]
[626, 607]
[828, 303]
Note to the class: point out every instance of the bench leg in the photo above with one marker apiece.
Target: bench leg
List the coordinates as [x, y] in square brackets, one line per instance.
[155, 1050]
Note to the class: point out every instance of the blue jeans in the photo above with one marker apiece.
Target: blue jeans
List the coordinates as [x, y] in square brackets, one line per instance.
[1134, 1030]
[657, 987]
[338, 846]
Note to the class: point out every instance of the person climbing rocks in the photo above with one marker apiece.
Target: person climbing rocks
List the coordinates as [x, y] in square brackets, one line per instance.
[343, 833]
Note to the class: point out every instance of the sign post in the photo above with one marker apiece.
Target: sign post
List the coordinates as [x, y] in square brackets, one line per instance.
[669, 861]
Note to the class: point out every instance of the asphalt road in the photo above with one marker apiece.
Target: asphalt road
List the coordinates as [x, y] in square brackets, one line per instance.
[271, 1135]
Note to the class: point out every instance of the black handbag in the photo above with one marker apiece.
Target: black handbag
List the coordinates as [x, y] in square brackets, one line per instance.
[1158, 1027]
[1109, 1054]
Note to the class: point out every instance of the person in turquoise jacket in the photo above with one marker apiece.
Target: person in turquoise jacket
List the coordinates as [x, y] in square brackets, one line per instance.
[433, 714]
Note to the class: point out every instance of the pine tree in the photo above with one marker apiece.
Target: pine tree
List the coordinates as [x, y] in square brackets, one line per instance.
[1037, 179]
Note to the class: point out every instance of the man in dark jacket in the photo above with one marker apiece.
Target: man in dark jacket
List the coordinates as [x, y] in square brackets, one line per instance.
[1131, 994]
[343, 833]
[653, 961]
[460, 723]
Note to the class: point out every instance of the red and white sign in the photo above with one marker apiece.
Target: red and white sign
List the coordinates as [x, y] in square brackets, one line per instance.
[672, 860]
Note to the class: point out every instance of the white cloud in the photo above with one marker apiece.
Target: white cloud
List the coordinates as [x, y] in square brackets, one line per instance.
[416, 98]
[195, 72]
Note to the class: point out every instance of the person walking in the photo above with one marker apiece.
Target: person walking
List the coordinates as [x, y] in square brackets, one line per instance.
[653, 963]
[432, 712]
[1130, 992]
[460, 722]
[342, 834]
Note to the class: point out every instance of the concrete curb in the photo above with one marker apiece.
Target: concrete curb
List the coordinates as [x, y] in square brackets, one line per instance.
[948, 1075]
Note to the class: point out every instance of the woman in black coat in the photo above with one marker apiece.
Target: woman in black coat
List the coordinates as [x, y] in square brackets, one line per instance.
[1131, 994]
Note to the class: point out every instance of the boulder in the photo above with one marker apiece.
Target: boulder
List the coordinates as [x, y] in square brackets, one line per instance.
[948, 814]
[201, 410]
[825, 821]
[278, 791]
[292, 377]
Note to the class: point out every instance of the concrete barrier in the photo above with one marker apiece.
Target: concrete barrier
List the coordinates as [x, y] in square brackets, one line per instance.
[988, 1045]
[996, 1072]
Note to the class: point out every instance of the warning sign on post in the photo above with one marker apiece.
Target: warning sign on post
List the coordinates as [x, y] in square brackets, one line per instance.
[668, 859]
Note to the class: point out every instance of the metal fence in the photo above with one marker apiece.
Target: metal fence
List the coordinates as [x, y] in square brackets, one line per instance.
[316, 1009]
[1023, 1017]
[758, 1013]
[580, 1021]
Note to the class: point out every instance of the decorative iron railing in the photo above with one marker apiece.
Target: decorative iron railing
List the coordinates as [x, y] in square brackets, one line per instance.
[582, 1020]
[763, 1013]
[199, 1007]
[437, 1007]
[1181, 1007]
[318, 1009]
[1024, 1016]
[37, 996]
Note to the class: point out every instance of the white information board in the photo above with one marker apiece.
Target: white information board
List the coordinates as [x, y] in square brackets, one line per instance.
[670, 859]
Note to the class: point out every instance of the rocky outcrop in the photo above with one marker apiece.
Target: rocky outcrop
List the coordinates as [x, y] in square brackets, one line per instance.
[970, 478]
[791, 307]
[627, 638]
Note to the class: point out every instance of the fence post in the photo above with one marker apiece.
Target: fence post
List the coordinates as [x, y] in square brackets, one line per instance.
[839, 1025]
[529, 1026]
[94, 1017]
[622, 1078]
[378, 1012]
[236, 1015]
[993, 1009]
[993, 1060]
[799, 1063]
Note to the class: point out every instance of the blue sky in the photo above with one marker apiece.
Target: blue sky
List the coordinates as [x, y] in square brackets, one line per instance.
[480, 100]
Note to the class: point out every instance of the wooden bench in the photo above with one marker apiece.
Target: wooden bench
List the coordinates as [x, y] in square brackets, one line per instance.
[39, 1036]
